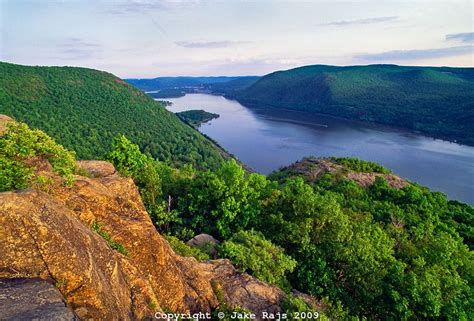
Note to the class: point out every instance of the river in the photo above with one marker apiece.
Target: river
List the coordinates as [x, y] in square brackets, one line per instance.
[266, 140]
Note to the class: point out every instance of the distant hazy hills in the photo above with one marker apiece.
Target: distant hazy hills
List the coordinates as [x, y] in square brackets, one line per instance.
[161, 83]
[438, 101]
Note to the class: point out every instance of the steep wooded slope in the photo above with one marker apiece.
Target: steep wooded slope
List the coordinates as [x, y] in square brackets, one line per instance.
[84, 109]
[436, 101]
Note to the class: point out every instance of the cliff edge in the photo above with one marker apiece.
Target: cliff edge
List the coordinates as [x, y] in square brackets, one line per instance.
[69, 236]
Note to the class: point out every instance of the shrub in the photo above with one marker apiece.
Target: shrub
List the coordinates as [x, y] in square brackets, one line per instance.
[252, 253]
[19, 145]
[13, 174]
[358, 165]
[223, 202]
[126, 156]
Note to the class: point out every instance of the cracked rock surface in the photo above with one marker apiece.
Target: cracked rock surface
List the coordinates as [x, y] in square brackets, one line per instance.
[48, 236]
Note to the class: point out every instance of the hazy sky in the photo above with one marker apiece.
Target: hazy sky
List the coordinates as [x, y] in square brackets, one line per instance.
[144, 38]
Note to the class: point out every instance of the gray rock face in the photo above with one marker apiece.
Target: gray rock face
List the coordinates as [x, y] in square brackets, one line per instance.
[202, 240]
[32, 299]
[206, 242]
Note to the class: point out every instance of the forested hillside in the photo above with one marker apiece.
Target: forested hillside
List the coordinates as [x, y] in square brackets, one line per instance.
[435, 101]
[84, 109]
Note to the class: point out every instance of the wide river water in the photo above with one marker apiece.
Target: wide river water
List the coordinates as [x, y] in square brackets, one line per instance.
[266, 140]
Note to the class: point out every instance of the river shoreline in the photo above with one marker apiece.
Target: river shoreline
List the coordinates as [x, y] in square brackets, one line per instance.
[266, 140]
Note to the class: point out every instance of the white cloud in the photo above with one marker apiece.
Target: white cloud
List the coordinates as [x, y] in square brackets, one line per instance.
[415, 54]
[210, 44]
[366, 21]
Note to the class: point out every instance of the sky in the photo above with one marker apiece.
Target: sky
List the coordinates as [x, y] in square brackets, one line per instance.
[144, 38]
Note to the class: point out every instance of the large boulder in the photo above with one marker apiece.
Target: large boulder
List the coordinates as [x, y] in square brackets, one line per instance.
[205, 242]
[95, 168]
[50, 236]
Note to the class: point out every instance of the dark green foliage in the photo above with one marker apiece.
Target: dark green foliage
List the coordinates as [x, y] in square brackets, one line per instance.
[165, 102]
[85, 109]
[252, 253]
[374, 252]
[461, 217]
[21, 148]
[358, 165]
[106, 236]
[384, 253]
[183, 249]
[223, 202]
[196, 117]
[435, 101]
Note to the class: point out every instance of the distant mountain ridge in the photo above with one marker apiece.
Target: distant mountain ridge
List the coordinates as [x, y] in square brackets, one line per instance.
[161, 83]
[438, 101]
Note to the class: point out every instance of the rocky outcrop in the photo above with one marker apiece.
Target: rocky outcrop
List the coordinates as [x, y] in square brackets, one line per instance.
[245, 291]
[32, 299]
[95, 168]
[49, 236]
[367, 179]
[312, 168]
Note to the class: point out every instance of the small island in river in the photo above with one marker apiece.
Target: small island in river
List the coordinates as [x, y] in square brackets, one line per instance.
[196, 117]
